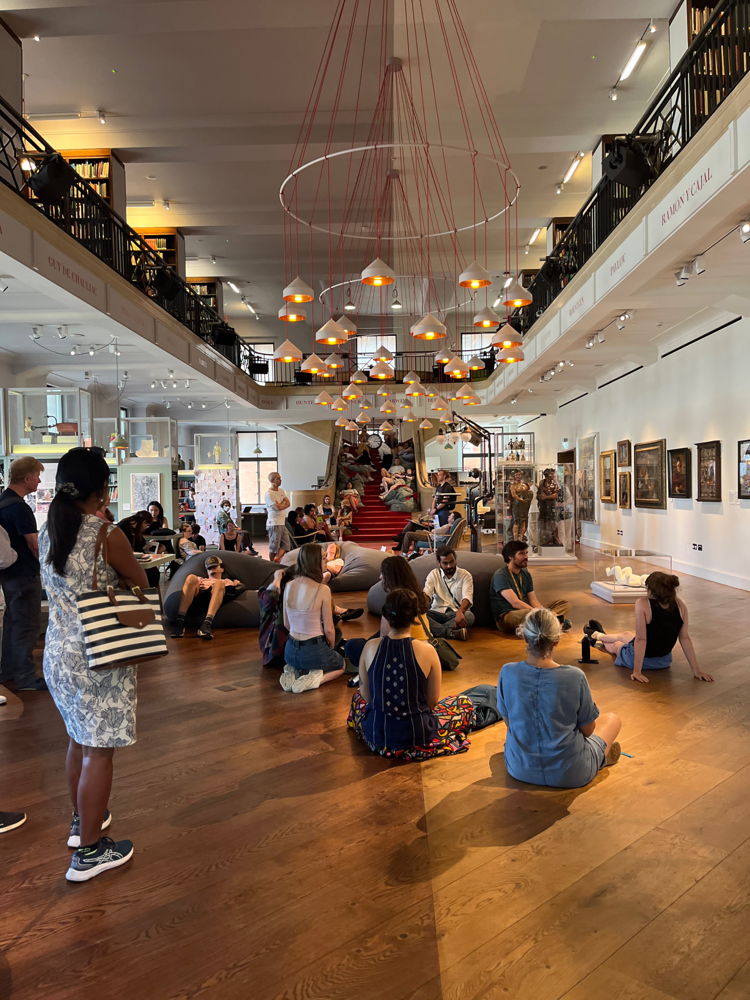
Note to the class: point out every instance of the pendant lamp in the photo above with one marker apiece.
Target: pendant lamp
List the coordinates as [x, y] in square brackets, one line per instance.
[362, 417]
[334, 361]
[287, 352]
[341, 422]
[426, 425]
[516, 296]
[486, 318]
[410, 378]
[472, 400]
[429, 328]
[346, 324]
[351, 426]
[385, 427]
[378, 274]
[475, 276]
[359, 378]
[365, 403]
[381, 370]
[382, 390]
[464, 391]
[475, 364]
[415, 390]
[352, 392]
[338, 404]
[298, 291]
[292, 314]
[431, 392]
[331, 333]
[409, 417]
[443, 356]
[507, 336]
[456, 368]
[388, 407]
[382, 354]
[510, 355]
[314, 365]
[323, 399]
[439, 405]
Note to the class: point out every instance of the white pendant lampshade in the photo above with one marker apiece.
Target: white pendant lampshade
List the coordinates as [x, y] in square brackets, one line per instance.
[457, 368]
[431, 392]
[486, 318]
[415, 390]
[388, 407]
[364, 403]
[338, 404]
[334, 361]
[326, 372]
[359, 378]
[385, 427]
[439, 405]
[464, 391]
[510, 355]
[313, 364]
[352, 392]
[475, 276]
[516, 296]
[287, 352]
[331, 333]
[351, 426]
[382, 390]
[409, 417]
[475, 364]
[362, 417]
[323, 399]
[471, 401]
[429, 327]
[426, 425]
[410, 378]
[406, 405]
[507, 336]
[381, 370]
[341, 422]
[298, 291]
[346, 324]
[443, 356]
[382, 354]
[378, 274]
[292, 314]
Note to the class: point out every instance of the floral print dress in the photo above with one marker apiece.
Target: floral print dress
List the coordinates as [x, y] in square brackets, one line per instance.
[97, 706]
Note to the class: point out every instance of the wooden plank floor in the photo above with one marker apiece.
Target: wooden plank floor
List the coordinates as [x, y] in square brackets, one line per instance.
[277, 860]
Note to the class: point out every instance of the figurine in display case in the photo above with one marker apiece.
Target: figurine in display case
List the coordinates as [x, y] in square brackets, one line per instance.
[521, 496]
[216, 452]
[549, 497]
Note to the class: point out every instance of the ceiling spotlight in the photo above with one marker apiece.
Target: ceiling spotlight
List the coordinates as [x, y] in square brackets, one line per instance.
[535, 235]
[203, 406]
[174, 384]
[558, 188]
[187, 383]
[73, 352]
[212, 259]
[190, 404]
[102, 117]
[167, 404]
[651, 27]
[514, 401]
[153, 385]
[589, 343]
[35, 332]
[600, 338]
[695, 267]
[125, 376]
[165, 205]
[92, 351]
[349, 305]
[613, 95]
[744, 231]
[227, 403]
[36, 38]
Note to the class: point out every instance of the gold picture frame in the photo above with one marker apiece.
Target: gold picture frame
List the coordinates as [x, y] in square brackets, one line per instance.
[608, 476]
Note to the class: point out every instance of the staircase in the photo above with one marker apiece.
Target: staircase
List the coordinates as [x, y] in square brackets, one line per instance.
[376, 522]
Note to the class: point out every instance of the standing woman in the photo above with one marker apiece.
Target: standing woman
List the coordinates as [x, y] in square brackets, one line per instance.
[97, 706]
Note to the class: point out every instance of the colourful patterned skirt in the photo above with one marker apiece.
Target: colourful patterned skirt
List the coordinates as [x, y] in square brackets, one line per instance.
[454, 721]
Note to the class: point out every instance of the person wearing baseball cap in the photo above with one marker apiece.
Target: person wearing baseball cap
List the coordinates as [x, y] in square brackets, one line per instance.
[203, 596]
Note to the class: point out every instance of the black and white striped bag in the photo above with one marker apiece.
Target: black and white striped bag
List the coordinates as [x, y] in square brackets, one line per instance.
[120, 627]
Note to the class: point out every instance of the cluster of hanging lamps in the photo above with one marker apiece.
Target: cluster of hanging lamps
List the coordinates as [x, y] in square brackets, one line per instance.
[507, 336]
[338, 404]
[410, 378]
[439, 406]
[382, 354]
[385, 427]
[334, 361]
[341, 422]
[388, 407]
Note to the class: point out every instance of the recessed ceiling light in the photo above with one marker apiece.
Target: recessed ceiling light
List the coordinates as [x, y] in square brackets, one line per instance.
[150, 177]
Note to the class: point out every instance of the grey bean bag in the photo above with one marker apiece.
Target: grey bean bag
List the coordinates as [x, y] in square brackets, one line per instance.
[243, 611]
[361, 566]
[481, 565]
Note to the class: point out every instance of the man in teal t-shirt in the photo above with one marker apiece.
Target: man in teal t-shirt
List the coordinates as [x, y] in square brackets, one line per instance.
[512, 592]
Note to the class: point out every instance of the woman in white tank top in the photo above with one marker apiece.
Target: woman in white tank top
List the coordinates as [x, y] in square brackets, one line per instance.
[310, 657]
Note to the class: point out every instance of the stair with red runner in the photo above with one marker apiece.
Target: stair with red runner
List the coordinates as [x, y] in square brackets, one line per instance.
[376, 522]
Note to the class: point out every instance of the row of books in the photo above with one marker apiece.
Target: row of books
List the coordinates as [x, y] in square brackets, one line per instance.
[91, 169]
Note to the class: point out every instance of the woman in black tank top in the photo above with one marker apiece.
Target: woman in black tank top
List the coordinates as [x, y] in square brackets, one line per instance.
[661, 620]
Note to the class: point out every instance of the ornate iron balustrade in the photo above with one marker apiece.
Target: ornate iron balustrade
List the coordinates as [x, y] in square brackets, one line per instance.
[715, 63]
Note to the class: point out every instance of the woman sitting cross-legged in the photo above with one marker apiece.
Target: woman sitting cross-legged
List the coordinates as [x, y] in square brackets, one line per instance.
[397, 710]
[660, 621]
[556, 735]
[233, 540]
[311, 659]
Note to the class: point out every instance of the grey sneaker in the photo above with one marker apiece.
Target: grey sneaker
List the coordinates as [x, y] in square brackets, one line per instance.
[287, 678]
[612, 755]
[306, 682]
[88, 862]
[74, 837]
[461, 634]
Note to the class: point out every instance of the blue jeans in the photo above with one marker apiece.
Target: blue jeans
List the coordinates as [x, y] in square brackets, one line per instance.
[312, 654]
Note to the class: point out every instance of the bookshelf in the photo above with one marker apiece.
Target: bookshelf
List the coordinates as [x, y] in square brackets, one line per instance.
[211, 291]
[168, 243]
[104, 171]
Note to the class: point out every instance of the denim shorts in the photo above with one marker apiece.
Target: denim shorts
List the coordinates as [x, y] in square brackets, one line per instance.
[626, 658]
[312, 654]
[599, 748]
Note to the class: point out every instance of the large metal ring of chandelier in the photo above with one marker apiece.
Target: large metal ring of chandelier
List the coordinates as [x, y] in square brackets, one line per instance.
[326, 299]
[426, 147]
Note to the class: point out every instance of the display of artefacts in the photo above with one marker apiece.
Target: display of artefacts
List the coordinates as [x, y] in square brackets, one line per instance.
[623, 453]
[586, 479]
[649, 488]
[620, 573]
[743, 470]
[521, 495]
[679, 473]
[623, 490]
[709, 470]
[607, 468]
[535, 505]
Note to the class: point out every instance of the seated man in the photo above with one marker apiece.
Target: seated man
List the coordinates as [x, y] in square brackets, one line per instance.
[512, 591]
[412, 537]
[202, 598]
[450, 591]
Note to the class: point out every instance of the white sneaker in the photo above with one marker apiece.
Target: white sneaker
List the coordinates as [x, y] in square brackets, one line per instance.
[287, 678]
[306, 682]
[3, 699]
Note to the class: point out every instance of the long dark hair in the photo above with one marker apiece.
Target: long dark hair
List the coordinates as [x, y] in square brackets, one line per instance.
[133, 527]
[397, 574]
[80, 473]
[155, 503]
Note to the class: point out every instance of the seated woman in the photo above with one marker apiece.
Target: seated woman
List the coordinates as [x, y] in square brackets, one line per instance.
[158, 526]
[186, 544]
[233, 540]
[198, 538]
[661, 620]
[327, 512]
[309, 654]
[556, 735]
[133, 528]
[350, 494]
[397, 711]
[344, 521]
[320, 530]
[334, 561]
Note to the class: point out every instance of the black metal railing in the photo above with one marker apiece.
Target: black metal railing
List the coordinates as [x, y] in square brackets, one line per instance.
[715, 63]
[93, 223]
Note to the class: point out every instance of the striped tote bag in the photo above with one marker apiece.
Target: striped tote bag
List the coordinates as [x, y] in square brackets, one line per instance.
[120, 627]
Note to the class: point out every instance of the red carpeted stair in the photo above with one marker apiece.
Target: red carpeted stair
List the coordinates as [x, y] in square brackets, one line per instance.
[375, 521]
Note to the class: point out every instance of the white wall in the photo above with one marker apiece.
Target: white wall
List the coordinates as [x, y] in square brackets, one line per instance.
[301, 458]
[697, 394]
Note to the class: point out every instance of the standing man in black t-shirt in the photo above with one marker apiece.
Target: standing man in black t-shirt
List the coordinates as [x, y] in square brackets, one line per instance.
[445, 497]
[21, 584]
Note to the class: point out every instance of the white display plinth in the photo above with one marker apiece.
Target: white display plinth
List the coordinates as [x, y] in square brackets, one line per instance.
[616, 593]
[552, 556]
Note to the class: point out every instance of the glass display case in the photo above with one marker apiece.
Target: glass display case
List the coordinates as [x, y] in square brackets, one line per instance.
[104, 429]
[215, 451]
[515, 447]
[152, 438]
[535, 504]
[620, 573]
[48, 421]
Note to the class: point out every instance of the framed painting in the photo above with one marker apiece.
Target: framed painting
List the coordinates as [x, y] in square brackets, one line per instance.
[586, 479]
[743, 470]
[709, 471]
[607, 480]
[623, 453]
[679, 473]
[623, 490]
[649, 474]
[144, 487]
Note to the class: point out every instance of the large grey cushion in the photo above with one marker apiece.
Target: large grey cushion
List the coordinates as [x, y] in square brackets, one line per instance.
[361, 566]
[481, 565]
[243, 611]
